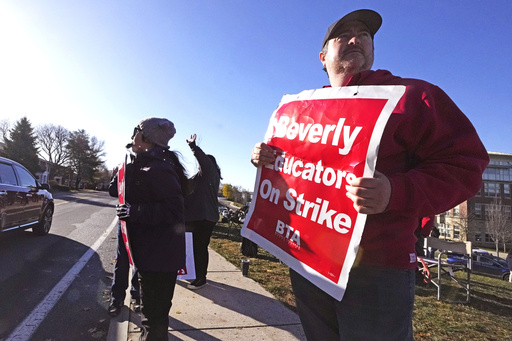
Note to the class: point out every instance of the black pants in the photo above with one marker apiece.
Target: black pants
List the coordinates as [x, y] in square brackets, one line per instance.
[377, 305]
[157, 290]
[201, 232]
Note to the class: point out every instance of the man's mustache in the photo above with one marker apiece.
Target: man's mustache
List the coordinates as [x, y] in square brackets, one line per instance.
[348, 50]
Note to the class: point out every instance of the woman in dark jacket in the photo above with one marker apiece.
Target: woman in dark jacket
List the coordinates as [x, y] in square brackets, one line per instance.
[202, 210]
[154, 215]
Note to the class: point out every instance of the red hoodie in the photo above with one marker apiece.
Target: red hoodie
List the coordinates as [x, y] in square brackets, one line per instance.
[433, 158]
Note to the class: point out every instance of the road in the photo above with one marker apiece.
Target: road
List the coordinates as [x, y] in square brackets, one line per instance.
[56, 287]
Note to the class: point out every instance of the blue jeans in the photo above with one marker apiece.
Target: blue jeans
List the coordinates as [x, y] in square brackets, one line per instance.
[377, 305]
[122, 271]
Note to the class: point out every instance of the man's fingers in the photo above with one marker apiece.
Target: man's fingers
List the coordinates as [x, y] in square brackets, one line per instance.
[370, 195]
[262, 154]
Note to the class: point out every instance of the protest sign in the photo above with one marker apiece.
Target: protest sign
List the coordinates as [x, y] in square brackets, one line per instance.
[300, 212]
[189, 271]
[121, 192]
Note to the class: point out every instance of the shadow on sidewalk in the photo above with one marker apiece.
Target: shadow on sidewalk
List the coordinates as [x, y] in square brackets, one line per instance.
[245, 304]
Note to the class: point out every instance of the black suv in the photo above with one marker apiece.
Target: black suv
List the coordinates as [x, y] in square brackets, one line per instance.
[24, 203]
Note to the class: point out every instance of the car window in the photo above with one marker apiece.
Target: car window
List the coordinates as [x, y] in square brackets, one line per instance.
[486, 260]
[26, 179]
[502, 261]
[7, 174]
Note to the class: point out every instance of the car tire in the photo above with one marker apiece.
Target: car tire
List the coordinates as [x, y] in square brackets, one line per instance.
[506, 277]
[43, 226]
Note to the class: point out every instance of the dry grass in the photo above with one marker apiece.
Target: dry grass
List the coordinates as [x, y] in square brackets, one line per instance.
[487, 317]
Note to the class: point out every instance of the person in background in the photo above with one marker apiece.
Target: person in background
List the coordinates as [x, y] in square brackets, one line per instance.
[424, 229]
[430, 159]
[509, 263]
[155, 183]
[202, 209]
[121, 278]
[435, 233]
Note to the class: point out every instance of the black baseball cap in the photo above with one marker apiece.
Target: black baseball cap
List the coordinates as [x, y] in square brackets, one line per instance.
[368, 17]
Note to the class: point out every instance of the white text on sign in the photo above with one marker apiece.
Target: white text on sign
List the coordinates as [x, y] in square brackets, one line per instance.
[315, 133]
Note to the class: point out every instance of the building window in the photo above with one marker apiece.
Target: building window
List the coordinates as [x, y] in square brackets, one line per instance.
[491, 189]
[442, 230]
[479, 193]
[478, 237]
[489, 174]
[488, 238]
[498, 170]
[478, 211]
[456, 211]
[508, 211]
[487, 211]
[447, 231]
[506, 190]
[502, 210]
[456, 232]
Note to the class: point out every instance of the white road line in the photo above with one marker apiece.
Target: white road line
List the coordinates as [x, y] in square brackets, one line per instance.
[26, 328]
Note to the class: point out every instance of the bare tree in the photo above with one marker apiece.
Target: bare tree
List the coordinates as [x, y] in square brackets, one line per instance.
[5, 126]
[97, 147]
[508, 235]
[464, 219]
[497, 222]
[52, 142]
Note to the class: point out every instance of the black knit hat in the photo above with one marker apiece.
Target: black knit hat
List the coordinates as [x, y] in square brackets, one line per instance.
[370, 18]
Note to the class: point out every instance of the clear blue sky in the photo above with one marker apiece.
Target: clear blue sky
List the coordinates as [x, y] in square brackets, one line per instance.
[219, 68]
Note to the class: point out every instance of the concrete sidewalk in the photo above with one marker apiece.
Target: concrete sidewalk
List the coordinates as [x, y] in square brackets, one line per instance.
[229, 307]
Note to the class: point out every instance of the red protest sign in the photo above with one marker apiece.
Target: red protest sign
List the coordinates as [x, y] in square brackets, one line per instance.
[300, 212]
[121, 192]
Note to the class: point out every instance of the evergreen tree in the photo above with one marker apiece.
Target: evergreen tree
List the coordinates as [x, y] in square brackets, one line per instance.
[84, 156]
[21, 146]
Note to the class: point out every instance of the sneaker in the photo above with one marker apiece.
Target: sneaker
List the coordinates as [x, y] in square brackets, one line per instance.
[197, 284]
[114, 308]
[136, 304]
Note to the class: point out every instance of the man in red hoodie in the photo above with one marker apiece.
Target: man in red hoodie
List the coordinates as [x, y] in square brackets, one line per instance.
[430, 159]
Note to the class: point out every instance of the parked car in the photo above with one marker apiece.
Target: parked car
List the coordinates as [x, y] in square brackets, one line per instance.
[24, 202]
[478, 250]
[224, 213]
[223, 210]
[484, 264]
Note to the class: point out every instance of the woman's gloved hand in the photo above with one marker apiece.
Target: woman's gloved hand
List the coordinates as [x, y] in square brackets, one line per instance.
[123, 211]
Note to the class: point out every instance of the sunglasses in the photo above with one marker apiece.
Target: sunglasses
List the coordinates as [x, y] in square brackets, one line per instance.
[136, 130]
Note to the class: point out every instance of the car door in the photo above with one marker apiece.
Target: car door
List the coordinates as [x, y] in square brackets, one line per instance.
[11, 207]
[487, 266]
[28, 193]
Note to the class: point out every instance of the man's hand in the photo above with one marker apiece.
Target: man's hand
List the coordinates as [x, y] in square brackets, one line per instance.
[262, 155]
[123, 211]
[370, 195]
